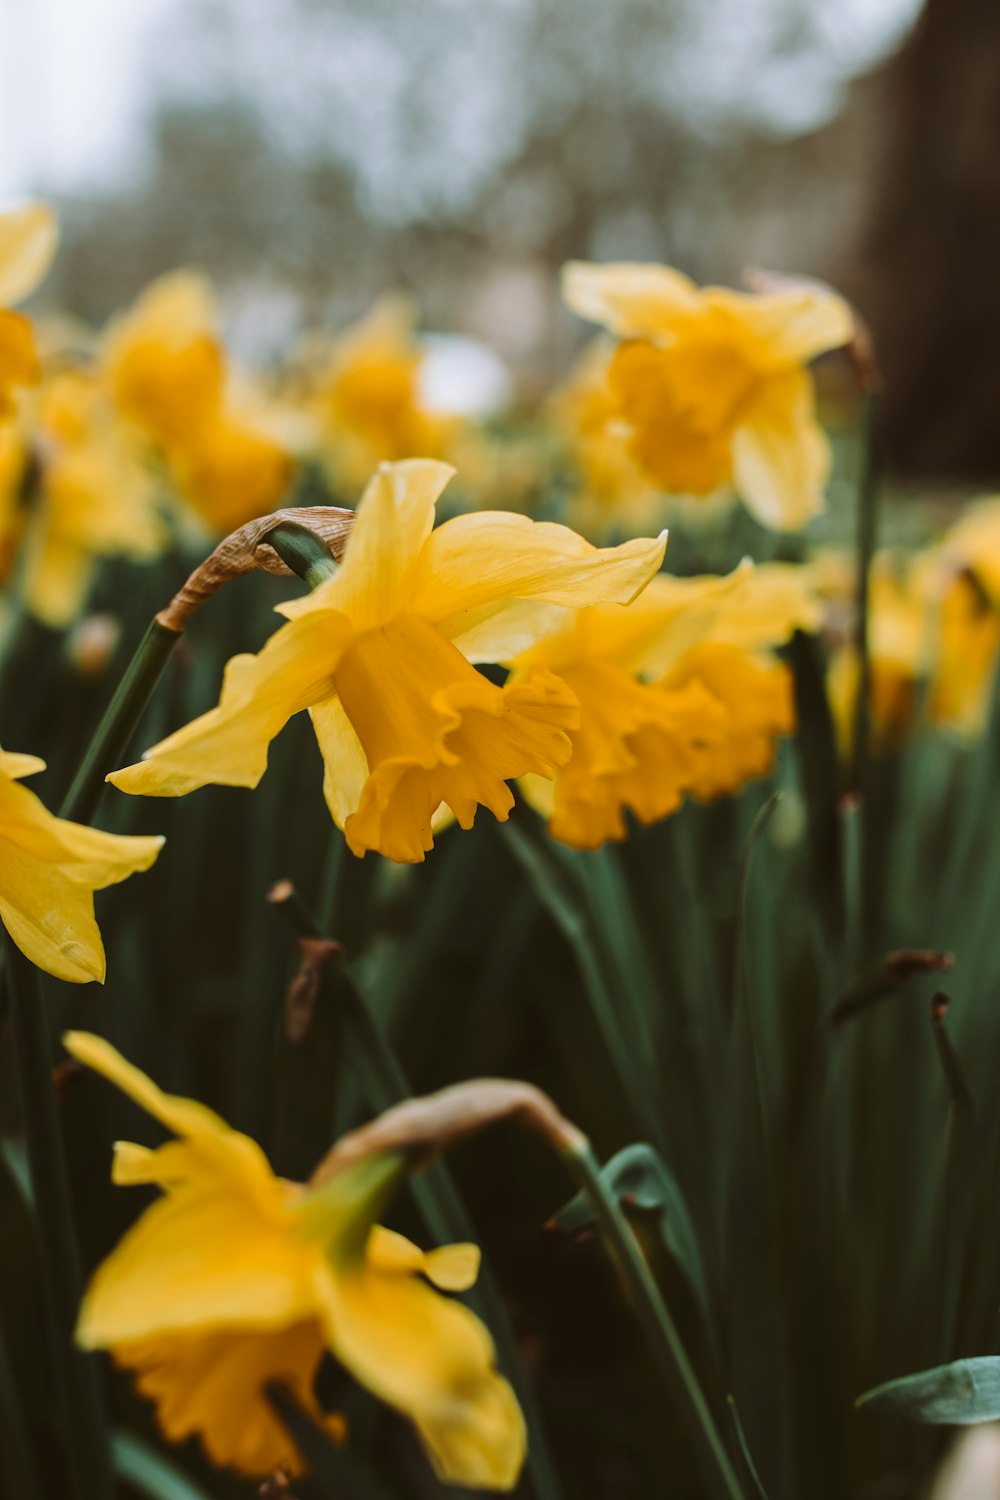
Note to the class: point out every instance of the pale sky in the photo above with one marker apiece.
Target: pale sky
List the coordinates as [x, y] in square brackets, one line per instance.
[76, 76]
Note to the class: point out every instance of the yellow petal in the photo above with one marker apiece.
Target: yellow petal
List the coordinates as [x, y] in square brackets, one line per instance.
[434, 730]
[49, 870]
[473, 563]
[207, 1254]
[345, 768]
[15, 765]
[185, 1117]
[756, 695]
[211, 1385]
[28, 238]
[57, 580]
[793, 326]
[780, 454]
[632, 299]
[19, 364]
[229, 745]
[432, 1359]
[453, 1268]
[394, 520]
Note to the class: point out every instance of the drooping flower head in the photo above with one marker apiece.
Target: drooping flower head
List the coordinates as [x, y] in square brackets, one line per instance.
[381, 655]
[28, 239]
[49, 871]
[710, 385]
[678, 696]
[234, 1279]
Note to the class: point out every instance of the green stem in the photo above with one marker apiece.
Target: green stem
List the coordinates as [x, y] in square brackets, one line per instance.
[119, 722]
[385, 1084]
[76, 1375]
[661, 1334]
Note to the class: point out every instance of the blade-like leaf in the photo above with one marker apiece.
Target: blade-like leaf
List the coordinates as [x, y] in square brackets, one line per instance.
[149, 1472]
[960, 1394]
[639, 1177]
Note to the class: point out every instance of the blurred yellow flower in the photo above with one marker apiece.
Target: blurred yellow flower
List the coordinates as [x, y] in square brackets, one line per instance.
[369, 398]
[166, 369]
[381, 656]
[49, 871]
[900, 645]
[677, 696]
[235, 1278]
[28, 238]
[710, 385]
[612, 491]
[94, 497]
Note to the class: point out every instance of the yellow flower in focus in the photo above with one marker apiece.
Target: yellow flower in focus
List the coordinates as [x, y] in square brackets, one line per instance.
[166, 369]
[49, 871]
[381, 655]
[95, 498]
[369, 397]
[235, 1278]
[677, 696]
[710, 385]
[28, 238]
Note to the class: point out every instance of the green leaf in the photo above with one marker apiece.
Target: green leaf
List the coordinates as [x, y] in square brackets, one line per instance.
[960, 1394]
[149, 1472]
[639, 1177]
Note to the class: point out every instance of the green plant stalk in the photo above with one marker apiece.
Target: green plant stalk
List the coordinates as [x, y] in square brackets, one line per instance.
[681, 1383]
[385, 1084]
[76, 1374]
[119, 721]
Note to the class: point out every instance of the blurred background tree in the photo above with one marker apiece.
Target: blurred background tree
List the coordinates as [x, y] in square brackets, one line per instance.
[310, 153]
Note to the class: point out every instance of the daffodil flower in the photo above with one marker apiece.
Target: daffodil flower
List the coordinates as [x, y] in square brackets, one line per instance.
[235, 1278]
[368, 398]
[49, 871]
[677, 694]
[27, 245]
[711, 385]
[96, 498]
[166, 370]
[381, 655]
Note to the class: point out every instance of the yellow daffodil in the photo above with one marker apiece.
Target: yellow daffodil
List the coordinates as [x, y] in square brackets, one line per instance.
[49, 871]
[381, 656]
[369, 397]
[677, 695]
[900, 627]
[27, 245]
[710, 385]
[166, 369]
[235, 1278]
[95, 498]
[612, 490]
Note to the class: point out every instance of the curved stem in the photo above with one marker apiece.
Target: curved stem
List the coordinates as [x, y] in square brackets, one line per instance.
[658, 1326]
